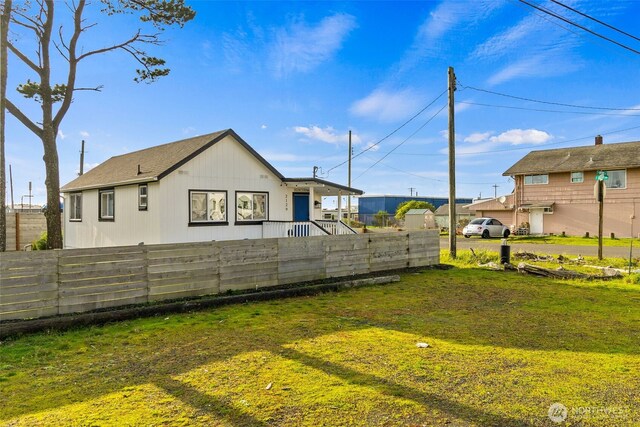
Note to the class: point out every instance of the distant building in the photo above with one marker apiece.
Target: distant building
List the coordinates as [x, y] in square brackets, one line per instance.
[462, 212]
[368, 206]
[419, 219]
[18, 207]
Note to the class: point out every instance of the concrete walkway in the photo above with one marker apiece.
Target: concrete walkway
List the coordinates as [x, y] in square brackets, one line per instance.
[494, 245]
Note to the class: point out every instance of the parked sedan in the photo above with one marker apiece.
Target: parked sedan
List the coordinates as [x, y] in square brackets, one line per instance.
[486, 227]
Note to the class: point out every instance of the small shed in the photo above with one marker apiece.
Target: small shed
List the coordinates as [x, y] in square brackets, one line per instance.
[419, 219]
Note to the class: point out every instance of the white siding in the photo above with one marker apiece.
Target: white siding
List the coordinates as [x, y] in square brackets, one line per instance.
[129, 227]
[227, 166]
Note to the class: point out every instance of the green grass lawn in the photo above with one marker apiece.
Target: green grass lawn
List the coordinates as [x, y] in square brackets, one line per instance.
[502, 348]
[568, 240]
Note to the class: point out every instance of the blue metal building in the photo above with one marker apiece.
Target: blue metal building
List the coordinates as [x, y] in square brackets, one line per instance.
[368, 206]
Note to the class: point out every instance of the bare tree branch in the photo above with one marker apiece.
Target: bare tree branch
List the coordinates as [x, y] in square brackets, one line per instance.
[15, 112]
[31, 27]
[133, 39]
[73, 63]
[24, 58]
[28, 18]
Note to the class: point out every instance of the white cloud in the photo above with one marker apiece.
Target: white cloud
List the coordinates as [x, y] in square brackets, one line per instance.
[478, 137]
[263, 126]
[61, 135]
[522, 136]
[386, 105]
[327, 134]
[84, 134]
[300, 48]
[188, 130]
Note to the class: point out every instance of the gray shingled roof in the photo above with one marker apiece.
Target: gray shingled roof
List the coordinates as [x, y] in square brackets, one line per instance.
[155, 162]
[461, 208]
[592, 157]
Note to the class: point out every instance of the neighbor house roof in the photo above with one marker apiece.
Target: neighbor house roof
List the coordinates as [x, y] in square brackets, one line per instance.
[461, 208]
[592, 157]
[151, 164]
[492, 204]
[418, 211]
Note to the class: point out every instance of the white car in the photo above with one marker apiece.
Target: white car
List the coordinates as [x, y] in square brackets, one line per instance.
[486, 227]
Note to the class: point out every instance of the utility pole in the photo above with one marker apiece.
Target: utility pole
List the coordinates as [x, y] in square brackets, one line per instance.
[81, 159]
[411, 190]
[600, 215]
[495, 190]
[349, 185]
[452, 166]
[11, 185]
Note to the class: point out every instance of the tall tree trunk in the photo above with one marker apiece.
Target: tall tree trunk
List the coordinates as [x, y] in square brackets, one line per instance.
[52, 182]
[4, 30]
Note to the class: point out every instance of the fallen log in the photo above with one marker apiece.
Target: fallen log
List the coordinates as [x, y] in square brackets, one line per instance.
[562, 273]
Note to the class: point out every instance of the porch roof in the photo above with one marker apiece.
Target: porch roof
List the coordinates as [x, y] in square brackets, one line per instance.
[322, 187]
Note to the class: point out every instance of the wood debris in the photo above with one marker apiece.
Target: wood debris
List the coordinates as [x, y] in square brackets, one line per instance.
[562, 273]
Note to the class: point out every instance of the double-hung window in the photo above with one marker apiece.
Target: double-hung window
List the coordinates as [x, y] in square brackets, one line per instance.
[75, 207]
[143, 197]
[106, 202]
[577, 177]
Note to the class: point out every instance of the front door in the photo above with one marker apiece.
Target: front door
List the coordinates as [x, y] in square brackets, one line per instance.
[536, 217]
[301, 206]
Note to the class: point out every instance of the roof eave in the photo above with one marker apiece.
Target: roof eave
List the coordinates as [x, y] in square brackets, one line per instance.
[111, 184]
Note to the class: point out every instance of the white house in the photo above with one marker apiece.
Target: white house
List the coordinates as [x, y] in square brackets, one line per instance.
[211, 187]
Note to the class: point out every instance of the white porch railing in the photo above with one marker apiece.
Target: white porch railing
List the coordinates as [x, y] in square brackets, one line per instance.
[336, 227]
[291, 229]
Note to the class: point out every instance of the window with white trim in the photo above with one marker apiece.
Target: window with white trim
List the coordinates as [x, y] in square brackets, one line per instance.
[106, 200]
[208, 206]
[577, 177]
[143, 197]
[252, 206]
[536, 179]
[617, 179]
[75, 207]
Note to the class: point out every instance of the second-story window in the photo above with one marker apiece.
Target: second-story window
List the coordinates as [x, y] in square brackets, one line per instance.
[536, 179]
[577, 177]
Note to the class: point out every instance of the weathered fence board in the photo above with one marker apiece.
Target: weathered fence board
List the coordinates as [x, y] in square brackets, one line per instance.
[45, 283]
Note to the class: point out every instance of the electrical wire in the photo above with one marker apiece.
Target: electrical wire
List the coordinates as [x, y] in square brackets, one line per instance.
[596, 20]
[546, 110]
[405, 140]
[549, 102]
[390, 134]
[568, 21]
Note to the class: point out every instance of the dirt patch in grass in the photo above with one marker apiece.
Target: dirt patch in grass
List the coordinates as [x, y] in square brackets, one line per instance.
[502, 348]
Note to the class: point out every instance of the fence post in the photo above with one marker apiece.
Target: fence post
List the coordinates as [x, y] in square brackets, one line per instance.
[58, 252]
[145, 258]
[17, 231]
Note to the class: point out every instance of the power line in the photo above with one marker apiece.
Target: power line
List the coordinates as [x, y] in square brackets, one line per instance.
[546, 110]
[400, 144]
[568, 21]
[522, 148]
[596, 20]
[550, 102]
[393, 132]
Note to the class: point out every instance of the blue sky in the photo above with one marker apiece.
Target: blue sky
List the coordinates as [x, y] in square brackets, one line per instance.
[292, 78]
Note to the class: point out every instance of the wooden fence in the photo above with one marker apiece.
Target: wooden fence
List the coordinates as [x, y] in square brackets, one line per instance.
[46, 283]
[23, 228]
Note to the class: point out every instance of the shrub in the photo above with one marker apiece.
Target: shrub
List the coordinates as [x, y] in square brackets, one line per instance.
[380, 218]
[41, 243]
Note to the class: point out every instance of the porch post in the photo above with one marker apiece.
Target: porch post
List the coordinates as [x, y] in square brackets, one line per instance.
[339, 205]
[311, 204]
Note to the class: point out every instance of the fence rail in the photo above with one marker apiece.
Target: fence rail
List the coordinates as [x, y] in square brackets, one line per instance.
[23, 228]
[45, 283]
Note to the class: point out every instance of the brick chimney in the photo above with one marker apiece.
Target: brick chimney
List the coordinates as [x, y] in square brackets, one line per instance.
[598, 139]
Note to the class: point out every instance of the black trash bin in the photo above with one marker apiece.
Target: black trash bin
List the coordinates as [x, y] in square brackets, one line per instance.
[505, 253]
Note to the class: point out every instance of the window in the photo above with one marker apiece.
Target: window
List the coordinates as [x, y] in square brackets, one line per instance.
[208, 207]
[143, 197]
[106, 201]
[577, 177]
[75, 207]
[252, 207]
[617, 179]
[536, 179]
